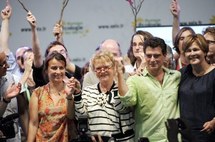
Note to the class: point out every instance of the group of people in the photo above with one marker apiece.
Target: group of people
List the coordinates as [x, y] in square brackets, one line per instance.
[123, 101]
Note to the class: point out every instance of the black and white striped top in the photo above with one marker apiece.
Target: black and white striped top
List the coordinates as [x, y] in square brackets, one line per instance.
[106, 114]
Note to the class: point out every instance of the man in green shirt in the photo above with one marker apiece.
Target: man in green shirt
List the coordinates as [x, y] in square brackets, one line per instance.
[153, 94]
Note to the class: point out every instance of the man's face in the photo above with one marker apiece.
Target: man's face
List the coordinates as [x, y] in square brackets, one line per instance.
[211, 44]
[154, 59]
[19, 56]
[3, 64]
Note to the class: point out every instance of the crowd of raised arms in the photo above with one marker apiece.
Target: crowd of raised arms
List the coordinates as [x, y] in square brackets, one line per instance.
[152, 94]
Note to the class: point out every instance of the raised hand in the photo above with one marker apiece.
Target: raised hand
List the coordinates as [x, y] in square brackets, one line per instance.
[73, 86]
[58, 31]
[119, 65]
[12, 91]
[31, 19]
[6, 12]
[175, 8]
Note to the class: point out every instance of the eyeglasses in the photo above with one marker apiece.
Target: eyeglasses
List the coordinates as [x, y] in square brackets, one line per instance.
[210, 42]
[104, 68]
[154, 56]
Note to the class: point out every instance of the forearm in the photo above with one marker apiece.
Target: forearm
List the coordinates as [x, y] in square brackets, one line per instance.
[3, 107]
[36, 49]
[175, 27]
[23, 111]
[5, 36]
[25, 76]
[70, 67]
[79, 105]
[32, 132]
[122, 87]
[70, 108]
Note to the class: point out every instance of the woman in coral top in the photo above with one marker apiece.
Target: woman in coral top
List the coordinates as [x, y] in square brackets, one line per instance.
[51, 106]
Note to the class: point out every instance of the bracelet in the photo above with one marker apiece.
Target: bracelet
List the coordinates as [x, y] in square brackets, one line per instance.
[4, 100]
[75, 93]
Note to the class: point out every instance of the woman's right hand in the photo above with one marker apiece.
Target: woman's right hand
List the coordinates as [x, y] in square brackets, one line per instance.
[73, 86]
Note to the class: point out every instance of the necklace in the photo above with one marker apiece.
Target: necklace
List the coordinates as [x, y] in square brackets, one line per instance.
[54, 90]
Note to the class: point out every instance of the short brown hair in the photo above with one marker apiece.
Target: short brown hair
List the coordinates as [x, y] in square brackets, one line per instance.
[198, 39]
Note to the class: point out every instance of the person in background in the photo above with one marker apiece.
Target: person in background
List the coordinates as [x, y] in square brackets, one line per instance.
[19, 59]
[197, 90]
[135, 51]
[84, 70]
[153, 94]
[209, 34]
[107, 45]
[169, 61]
[107, 117]
[178, 35]
[9, 91]
[178, 42]
[4, 40]
[52, 105]
[28, 85]
[12, 67]
[71, 69]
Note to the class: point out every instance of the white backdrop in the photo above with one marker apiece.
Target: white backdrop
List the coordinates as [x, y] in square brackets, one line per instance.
[88, 22]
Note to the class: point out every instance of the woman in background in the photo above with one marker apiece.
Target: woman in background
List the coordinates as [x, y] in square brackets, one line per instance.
[135, 51]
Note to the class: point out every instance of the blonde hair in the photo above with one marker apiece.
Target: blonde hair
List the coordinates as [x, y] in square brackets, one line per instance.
[104, 56]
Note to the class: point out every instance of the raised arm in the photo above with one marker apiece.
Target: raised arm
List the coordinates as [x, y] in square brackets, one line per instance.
[175, 10]
[122, 87]
[38, 60]
[58, 32]
[4, 35]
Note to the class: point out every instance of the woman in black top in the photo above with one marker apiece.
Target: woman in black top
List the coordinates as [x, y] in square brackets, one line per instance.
[197, 90]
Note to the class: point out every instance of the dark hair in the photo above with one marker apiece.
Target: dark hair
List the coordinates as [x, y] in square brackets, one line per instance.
[53, 55]
[178, 36]
[146, 35]
[155, 42]
[210, 30]
[198, 39]
[53, 44]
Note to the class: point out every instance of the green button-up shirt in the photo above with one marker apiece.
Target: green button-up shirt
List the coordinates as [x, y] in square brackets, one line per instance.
[153, 102]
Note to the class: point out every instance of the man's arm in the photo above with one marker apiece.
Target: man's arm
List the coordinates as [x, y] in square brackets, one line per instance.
[122, 87]
[175, 10]
[38, 61]
[4, 35]
[58, 32]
